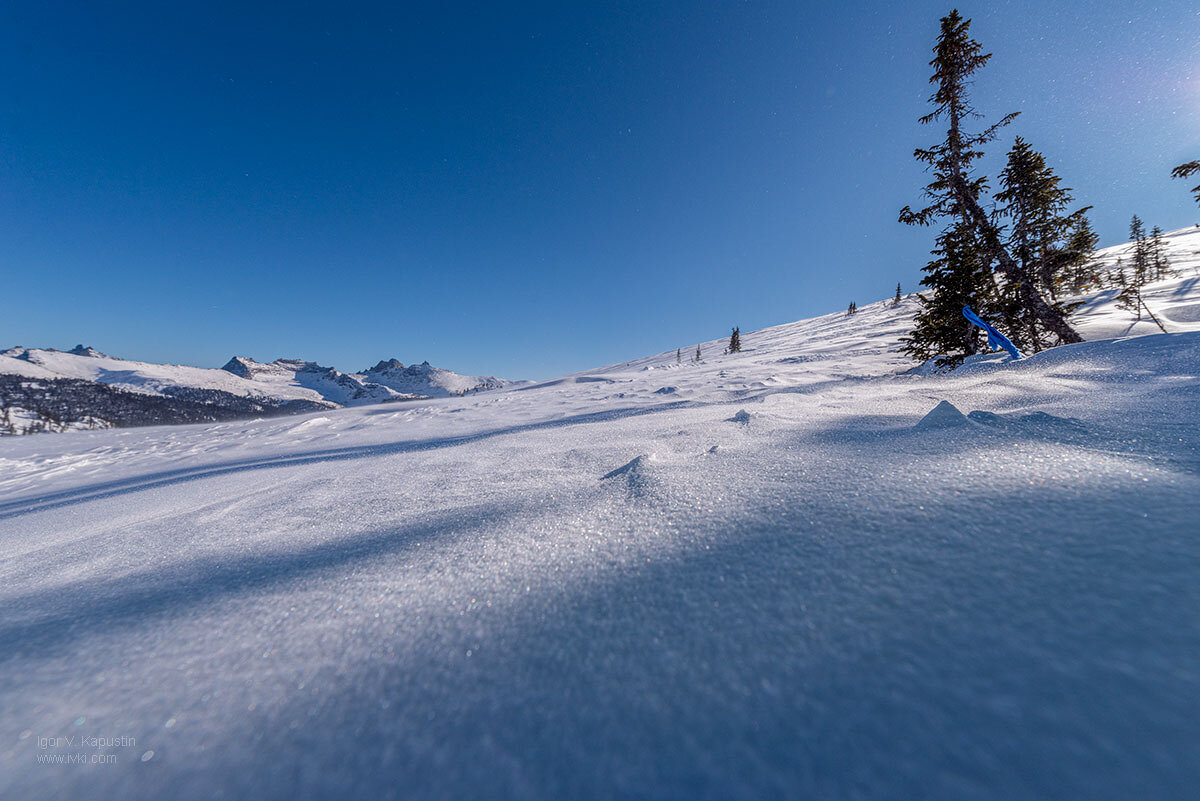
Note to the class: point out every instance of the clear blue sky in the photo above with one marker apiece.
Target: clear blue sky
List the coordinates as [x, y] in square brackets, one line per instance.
[524, 189]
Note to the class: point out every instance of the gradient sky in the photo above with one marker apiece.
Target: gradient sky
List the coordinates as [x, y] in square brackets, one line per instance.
[525, 189]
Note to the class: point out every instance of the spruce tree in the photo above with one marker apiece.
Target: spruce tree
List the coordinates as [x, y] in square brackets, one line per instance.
[955, 194]
[1039, 240]
[735, 341]
[896, 301]
[959, 276]
[1141, 251]
[1185, 171]
[1082, 245]
[1130, 297]
[697, 359]
[679, 355]
[1160, 265]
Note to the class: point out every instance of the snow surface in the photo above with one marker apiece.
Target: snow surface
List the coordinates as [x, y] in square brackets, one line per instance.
[769, 582]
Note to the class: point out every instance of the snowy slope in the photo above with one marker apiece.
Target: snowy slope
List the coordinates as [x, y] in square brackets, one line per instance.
[1175, 301]
[765, 575]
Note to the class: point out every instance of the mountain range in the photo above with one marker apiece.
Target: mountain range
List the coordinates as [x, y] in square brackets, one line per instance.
[44, 389]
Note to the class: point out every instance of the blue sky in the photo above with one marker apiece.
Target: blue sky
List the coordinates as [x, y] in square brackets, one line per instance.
[530, 190]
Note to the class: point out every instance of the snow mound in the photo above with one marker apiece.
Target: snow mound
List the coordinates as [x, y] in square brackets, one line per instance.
[742, 417]
[635, 475]
[944, 415]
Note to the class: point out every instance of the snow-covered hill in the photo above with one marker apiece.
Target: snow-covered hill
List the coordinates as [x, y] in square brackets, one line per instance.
[243, 387]
[768, 574]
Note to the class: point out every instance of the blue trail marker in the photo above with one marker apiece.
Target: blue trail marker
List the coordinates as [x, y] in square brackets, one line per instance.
[996, 340]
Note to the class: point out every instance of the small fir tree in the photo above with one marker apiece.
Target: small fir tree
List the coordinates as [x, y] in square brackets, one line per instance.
[1140, 260]
[1082, 245]
[1141, 271]
[896, 300]
[735, 340]
[1160, 265]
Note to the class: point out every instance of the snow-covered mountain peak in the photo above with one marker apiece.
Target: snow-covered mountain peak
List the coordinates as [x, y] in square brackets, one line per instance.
[425, 379]
[87, 350]
[385, 364]
[246, 367]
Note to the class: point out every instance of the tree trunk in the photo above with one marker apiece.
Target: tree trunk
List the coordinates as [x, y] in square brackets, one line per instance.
[1152, 317]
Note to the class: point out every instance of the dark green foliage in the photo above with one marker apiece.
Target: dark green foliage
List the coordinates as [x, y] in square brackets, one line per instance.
[697, 359]
[956, 58]
[1083, 275]
[896, 301]
[1160, 265]
[735, 341]
[851, 309]
[1185, 171]
[1041, 239]
[960, 277]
